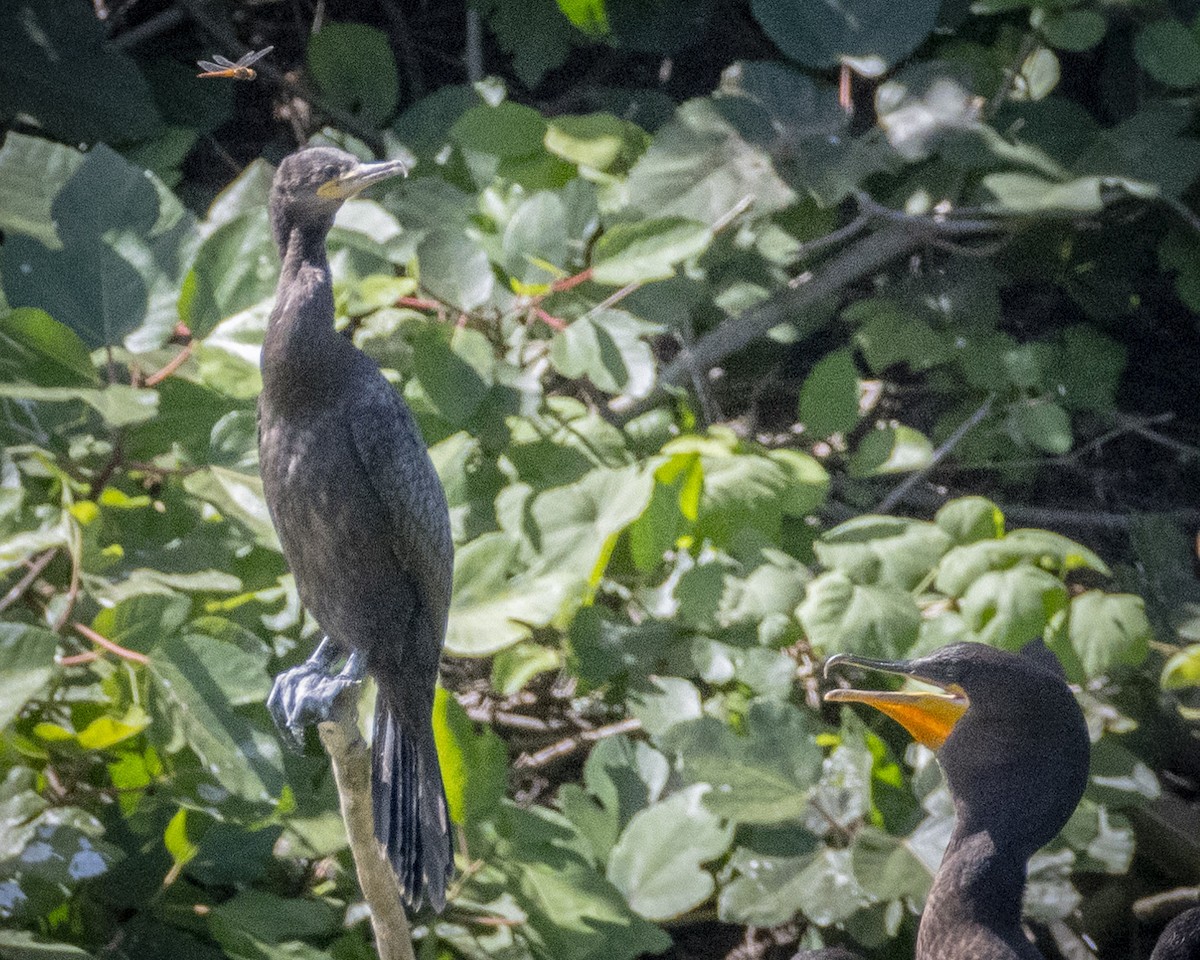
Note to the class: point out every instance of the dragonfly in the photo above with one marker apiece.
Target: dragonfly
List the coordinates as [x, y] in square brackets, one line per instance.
[220, 67]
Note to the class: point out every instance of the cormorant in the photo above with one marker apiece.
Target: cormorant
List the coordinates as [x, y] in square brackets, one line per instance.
[363, 522]
[1181, 939]
[1014, 748]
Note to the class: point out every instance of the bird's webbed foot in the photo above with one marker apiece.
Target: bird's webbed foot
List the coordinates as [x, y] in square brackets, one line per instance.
[306, 694]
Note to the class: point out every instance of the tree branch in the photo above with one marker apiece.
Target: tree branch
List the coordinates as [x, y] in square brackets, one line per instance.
[352, 771]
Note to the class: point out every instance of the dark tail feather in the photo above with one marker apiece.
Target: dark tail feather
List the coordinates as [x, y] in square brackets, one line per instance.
[411, 819]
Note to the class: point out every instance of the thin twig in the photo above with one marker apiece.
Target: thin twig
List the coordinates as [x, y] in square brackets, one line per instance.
[1160, 907]
[889, 502]
[160, 23]
[35, 570]
[351, 762]
[172, 365]
[126, 654]
[76, 549]
[568, 745]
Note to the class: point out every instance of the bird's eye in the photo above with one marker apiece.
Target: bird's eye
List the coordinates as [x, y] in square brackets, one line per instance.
[331, 172]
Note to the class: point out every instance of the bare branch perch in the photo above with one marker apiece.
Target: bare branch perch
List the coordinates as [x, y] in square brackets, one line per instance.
[351, 763]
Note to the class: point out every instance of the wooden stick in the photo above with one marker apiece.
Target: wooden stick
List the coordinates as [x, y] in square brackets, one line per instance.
[351, 763]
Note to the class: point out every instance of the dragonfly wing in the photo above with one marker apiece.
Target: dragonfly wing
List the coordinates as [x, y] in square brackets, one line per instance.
[224, 62]
[209, 66]
[251, 58]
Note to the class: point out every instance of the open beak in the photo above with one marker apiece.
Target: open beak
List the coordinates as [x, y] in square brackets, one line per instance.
[351, 183]
[928, 715]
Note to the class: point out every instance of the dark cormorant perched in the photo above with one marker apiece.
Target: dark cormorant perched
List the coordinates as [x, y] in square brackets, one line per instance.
[1181, 939]
[1014, 748]
[362, 519]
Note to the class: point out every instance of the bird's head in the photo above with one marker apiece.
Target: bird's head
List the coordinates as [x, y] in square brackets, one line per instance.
[1004, 725]
[311, 184]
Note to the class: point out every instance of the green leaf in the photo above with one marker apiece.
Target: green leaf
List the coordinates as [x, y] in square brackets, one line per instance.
[239, 496]
[606, 346]
[1074, 30]
[57, 66]
[1007, 608]
[647, 249]
[821, 36]
[700, 167]
[971, 519]
[841, 616]
[597, 141]
[513, 668]
[666, 702]
[508, 130]
[26, 666]
[274, 919]
[1183, 669]
[355, 69]
[657, 861]
[764, 775]
[588, 15]
[963, 565]
[124, 238]
[176, 840]
[199, 679]
[474, 763]
[40, 351]
[535, 240]
[1169, 52]
[1038, 76]
[1108, 630]
[883, 550]
[829, 396]
[491, 611]
[891, 450]
[455, 269]
[235, 268]
[1043, 425]
[140, 622]
[23, 945]
[32, 171]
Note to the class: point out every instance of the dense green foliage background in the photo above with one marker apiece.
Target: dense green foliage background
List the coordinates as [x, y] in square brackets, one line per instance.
[717, 363]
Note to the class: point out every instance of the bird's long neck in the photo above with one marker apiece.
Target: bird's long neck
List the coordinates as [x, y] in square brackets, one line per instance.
[303, 357]
[976, 896]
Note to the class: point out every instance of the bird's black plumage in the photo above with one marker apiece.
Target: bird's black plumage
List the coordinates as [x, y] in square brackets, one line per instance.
[1015, 754]
[362, 519]
[1181, 938]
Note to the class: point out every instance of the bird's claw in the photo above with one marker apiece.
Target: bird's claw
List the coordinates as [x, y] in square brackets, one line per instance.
[306, 694]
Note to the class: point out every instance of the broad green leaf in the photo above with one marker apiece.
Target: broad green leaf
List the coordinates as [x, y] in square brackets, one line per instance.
[1043, 425]
[1183, 669]
[841, 616]
[1007, 608]
[1074, 30]
[701, 168]
[891, 450]
[104, 732]
[274, 919]
[597, 141]
[588, 15]
[883, 550]
[762, 775]
[535, 240]
[869, 31]
[1169, 52]
[175, 838]
[665, 703]
[965, 564]
[971, 519]
[829, 396]
[57, 67]
[355, 69]
[1038, 76]
[40, 351]
[23, 945]
[606, 346]
[513, 668]
[198, 681]
[455, 270]
[32, 171]
[1108, 630]
[26, 666]
[657, 861]
[647, 249]
[235, 268]
[474, 764]
[116, 278]
[140, 622]
[508, 130]
[491, 610]
[239, 496]
[887, 868]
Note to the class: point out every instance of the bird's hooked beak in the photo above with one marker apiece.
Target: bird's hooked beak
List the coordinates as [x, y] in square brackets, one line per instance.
[358, 178]
[928, 715]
